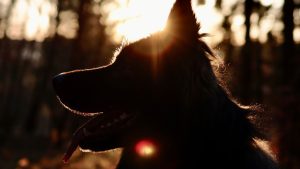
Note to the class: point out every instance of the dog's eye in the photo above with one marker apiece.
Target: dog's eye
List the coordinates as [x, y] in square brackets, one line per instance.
[145, 148]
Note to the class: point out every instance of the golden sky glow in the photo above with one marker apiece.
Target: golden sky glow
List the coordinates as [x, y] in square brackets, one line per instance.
[135, 19]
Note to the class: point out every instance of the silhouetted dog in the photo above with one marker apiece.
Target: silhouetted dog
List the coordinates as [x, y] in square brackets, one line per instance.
[162, 103]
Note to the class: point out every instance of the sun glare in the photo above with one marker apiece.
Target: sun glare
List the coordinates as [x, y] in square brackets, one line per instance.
[135, 19]
[132, 20]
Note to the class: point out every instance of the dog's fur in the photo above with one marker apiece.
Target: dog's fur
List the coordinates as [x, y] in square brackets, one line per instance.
[163, 89]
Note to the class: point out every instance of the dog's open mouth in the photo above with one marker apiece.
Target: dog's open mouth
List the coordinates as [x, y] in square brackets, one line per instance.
[100, 133]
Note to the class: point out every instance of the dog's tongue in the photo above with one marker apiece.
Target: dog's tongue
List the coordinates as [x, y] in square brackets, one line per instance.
[78, 136]
[72, 147]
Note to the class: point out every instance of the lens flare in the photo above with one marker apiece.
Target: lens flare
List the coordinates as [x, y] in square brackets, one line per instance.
[145, 148]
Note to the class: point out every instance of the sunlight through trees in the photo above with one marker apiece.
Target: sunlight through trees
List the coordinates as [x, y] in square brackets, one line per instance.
[258, 39]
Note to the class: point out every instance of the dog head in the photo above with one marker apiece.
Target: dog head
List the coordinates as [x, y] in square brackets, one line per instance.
[145, 94]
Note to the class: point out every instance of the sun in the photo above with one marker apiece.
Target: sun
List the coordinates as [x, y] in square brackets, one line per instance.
[135, 19]
[132, 20]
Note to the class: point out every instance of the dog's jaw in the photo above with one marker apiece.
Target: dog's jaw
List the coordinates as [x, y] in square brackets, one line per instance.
[102, 130]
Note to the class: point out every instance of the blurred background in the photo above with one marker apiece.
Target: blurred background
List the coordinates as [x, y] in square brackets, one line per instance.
[258, 39]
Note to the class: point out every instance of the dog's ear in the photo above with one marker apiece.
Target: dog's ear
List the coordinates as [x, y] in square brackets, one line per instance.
[182, 22]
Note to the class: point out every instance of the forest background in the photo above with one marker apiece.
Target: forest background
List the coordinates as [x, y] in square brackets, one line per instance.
[259, 41]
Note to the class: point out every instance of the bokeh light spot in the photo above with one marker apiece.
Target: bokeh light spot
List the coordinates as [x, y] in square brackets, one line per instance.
[145, 148]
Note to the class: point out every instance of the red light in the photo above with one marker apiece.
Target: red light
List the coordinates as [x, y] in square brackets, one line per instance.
[145, 148]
